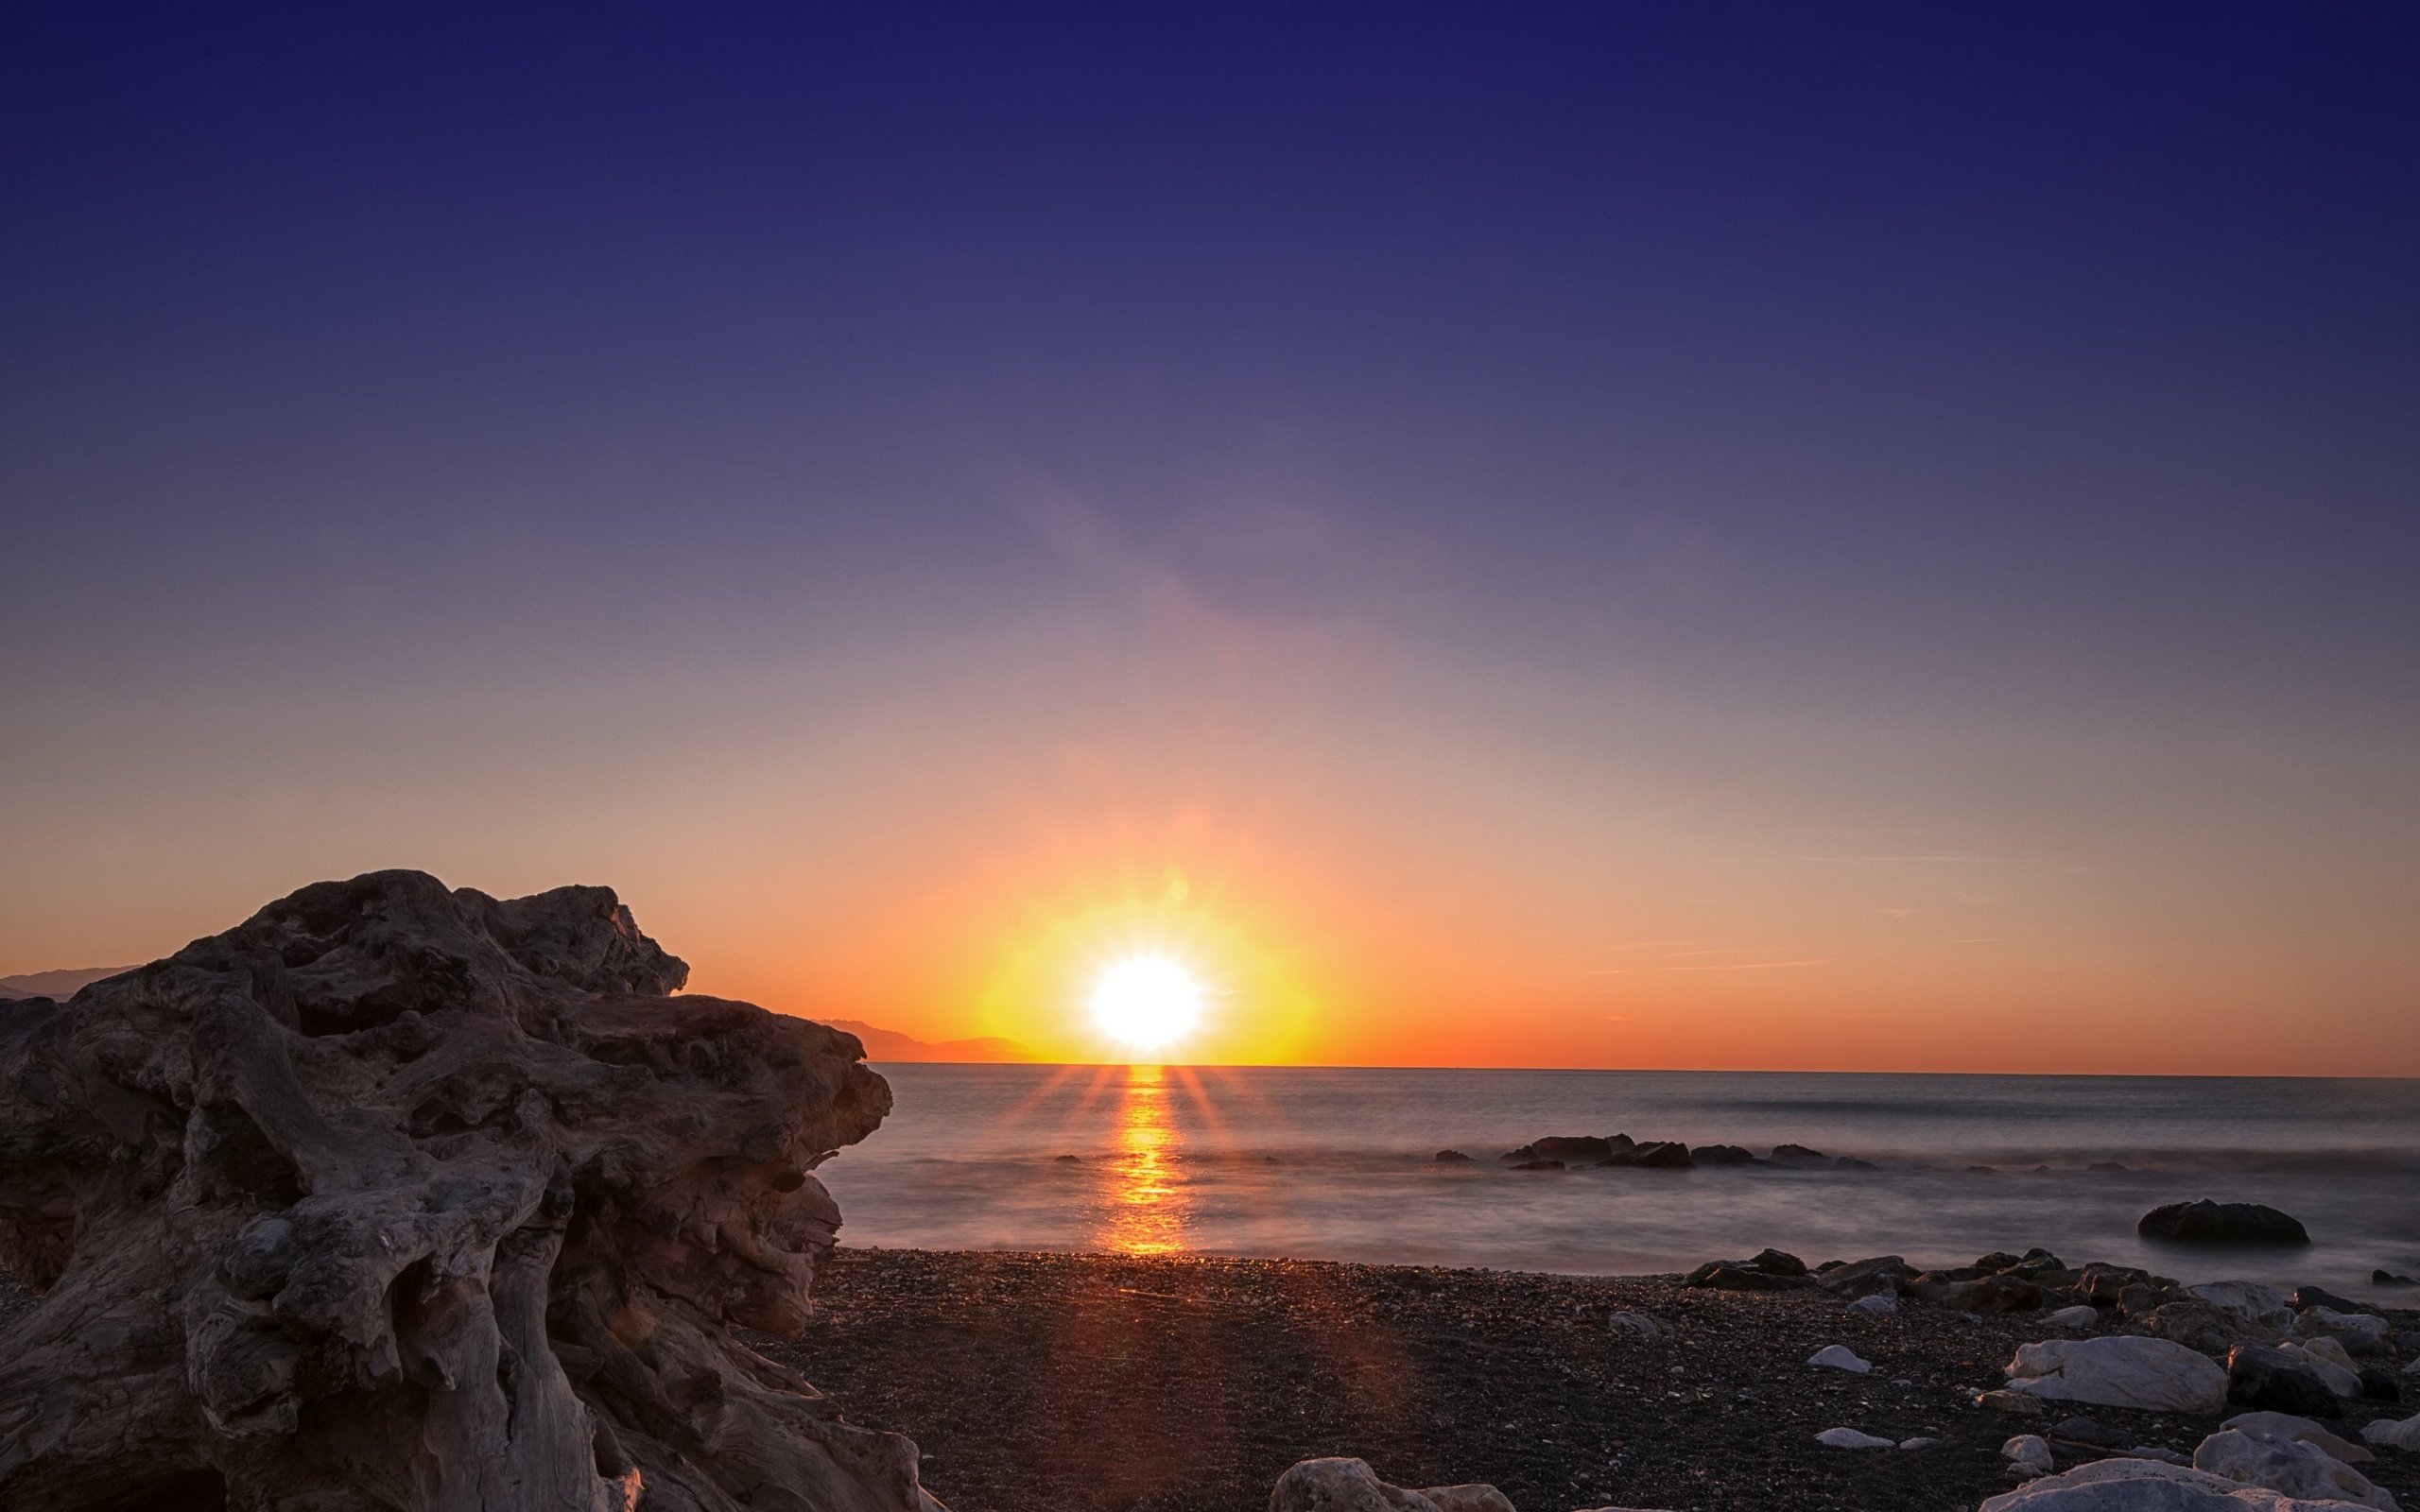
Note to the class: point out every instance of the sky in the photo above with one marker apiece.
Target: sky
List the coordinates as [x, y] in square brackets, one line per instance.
[1856, 536]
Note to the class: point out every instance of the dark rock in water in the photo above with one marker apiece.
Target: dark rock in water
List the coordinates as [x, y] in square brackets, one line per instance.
[2307, 1297]
[2105, 1167]
[1072, 1158]
[2388, 1278]
[1452, 1157]
[401, 1196]
[1722, 1155]
[2378, 1384]
[1880, 1276]
[2260, 1378]
[1571, 1148]
[1799, 1155]
[1984, 1294]
[1850, 1162]
[1662, 1156]
[2222, 1223]
[1539, 1165]
[1982, 1170]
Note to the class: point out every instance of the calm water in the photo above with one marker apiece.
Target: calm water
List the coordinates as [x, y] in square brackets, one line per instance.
[1332, 1164]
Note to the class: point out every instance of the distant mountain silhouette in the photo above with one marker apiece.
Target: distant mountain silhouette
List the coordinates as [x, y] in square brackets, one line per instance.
[55, 984]
[890, 1044]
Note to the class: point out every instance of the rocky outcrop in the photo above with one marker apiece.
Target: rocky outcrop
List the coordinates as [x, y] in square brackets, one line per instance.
[395, 1197]
[2222, 1223]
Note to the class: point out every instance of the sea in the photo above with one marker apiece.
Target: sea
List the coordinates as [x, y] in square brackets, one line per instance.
[1333, 1164]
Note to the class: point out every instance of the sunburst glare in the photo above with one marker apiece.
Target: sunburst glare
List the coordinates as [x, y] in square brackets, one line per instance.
[1147, 1002]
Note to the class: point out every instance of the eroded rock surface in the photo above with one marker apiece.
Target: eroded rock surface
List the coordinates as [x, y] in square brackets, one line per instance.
[397, 1196]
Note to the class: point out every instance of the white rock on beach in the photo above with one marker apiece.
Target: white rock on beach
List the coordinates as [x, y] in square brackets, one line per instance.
[2120, 1372]
[2288, 1465]
[2079, 1317]
[1637, 1324]
[1840, 1357]
[2264, 1306]
[2286, 1425]
[1851, 1439]
[2359, 1332]
[1920, 1441]
[2328, 1359]
[2392, 1435]
[2030, 1452]
[1881, 1304]
[2148, 1485]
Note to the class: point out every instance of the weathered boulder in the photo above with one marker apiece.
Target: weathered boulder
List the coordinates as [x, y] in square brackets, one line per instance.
[1768, 1271]
[2321, 1297]
[2222, 1223]
[1340, 1485]
[1852, 1439]
[2359, 1332]
[401, 1197]
[2148, 1485]
[2327, 1357]
[2271, 1379]
[2393, 1434]
[2263, 1307]
[2302, 1430]
[1475, 1496]
[1840, 1357]
[2211, 1330]
[1980, 1294]
[2120, 1372]
[1883, 1274]
[2288, 1465]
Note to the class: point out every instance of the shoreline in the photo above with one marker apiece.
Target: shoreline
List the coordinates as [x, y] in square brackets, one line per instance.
[1091, 1381]
[1099, 1382]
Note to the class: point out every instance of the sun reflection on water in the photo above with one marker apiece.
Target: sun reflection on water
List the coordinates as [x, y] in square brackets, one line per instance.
[1146, 1205]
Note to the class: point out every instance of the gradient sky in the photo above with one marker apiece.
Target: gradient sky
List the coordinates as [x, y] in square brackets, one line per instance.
[1725, 536]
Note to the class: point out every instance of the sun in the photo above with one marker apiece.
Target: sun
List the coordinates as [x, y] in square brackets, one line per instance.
[1147, 1002]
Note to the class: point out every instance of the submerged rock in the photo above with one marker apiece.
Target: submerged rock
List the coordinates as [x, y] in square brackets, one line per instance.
[2222, 1223]
[1451, 1157]
[401, 1196]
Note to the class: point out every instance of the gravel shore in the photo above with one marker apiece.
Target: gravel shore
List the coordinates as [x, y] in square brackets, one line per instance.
[1091, 1382]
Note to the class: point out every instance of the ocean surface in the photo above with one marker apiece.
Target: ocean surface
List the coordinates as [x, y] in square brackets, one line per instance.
[1336, 1164]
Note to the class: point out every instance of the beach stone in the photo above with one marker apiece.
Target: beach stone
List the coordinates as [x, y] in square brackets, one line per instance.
[2270, 1379]
[1475, 1496]
[1881, 1275]
[2327, 1357]
[2130, 1485]
[2288, 1465]
[2389, 1433]
[1851, 1439]
[1637, 1324]
[2081, 1317]
[2285, 1426]
[397, 1195]
[2359, 1332]
[1768, 1271]
[2203, 1326]
[2103, 1284]
[2222, 1223]
[1920, 1441]
[1340, 1484]
[2261, 1306]
[1840, 1357]
[1880, 1304]
[1983, 1293]
[2120, 1372]
[2029, 1450]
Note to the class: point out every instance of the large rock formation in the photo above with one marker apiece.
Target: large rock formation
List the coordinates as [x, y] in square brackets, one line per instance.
[401, 1197]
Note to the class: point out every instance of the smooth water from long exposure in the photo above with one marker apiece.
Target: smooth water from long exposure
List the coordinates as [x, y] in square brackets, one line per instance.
[1332, 1164]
